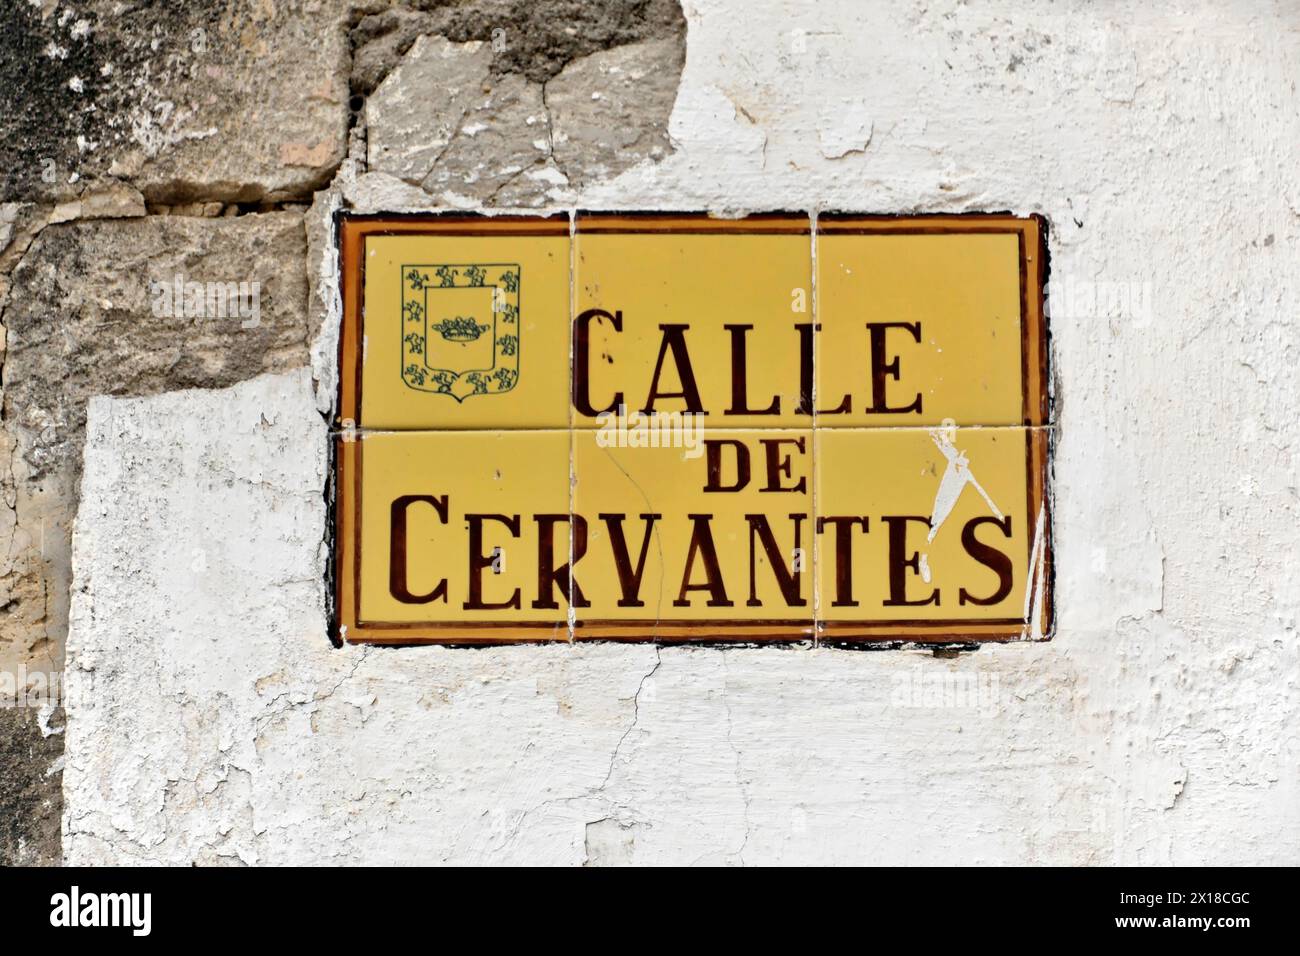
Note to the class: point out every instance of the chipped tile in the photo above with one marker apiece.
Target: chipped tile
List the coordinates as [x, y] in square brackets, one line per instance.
[930, 534]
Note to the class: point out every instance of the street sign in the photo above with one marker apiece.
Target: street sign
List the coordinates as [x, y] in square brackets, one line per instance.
[678, 427]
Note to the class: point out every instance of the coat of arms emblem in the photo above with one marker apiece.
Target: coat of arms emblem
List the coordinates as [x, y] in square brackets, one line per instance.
[460, 328]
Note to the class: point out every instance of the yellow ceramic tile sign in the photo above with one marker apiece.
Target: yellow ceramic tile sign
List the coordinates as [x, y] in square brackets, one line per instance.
[652, 427]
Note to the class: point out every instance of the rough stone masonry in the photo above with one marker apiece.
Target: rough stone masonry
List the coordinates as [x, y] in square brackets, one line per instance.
[163, 472]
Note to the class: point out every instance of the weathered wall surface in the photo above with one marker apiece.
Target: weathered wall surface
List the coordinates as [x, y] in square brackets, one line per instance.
[208, 720]
[162, 143]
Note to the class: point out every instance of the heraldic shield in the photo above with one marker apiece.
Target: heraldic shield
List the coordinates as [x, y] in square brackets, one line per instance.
[460, 328]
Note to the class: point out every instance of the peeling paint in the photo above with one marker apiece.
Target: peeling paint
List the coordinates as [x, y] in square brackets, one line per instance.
[956, 478]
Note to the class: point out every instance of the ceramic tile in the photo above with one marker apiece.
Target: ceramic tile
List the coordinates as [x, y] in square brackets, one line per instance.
[465, 325]
[457, 531]
[694, 314]
[931, 534]
[717, 534]
[923, 320]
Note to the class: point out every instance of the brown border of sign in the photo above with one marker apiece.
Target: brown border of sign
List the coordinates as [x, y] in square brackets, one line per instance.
[352, 232]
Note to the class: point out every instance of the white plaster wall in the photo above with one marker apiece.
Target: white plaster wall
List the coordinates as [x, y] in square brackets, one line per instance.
[210, 720]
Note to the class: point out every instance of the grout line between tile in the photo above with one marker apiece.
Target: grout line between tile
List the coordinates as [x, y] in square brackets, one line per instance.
[814, 441]
[571, 613]
[576, 430]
